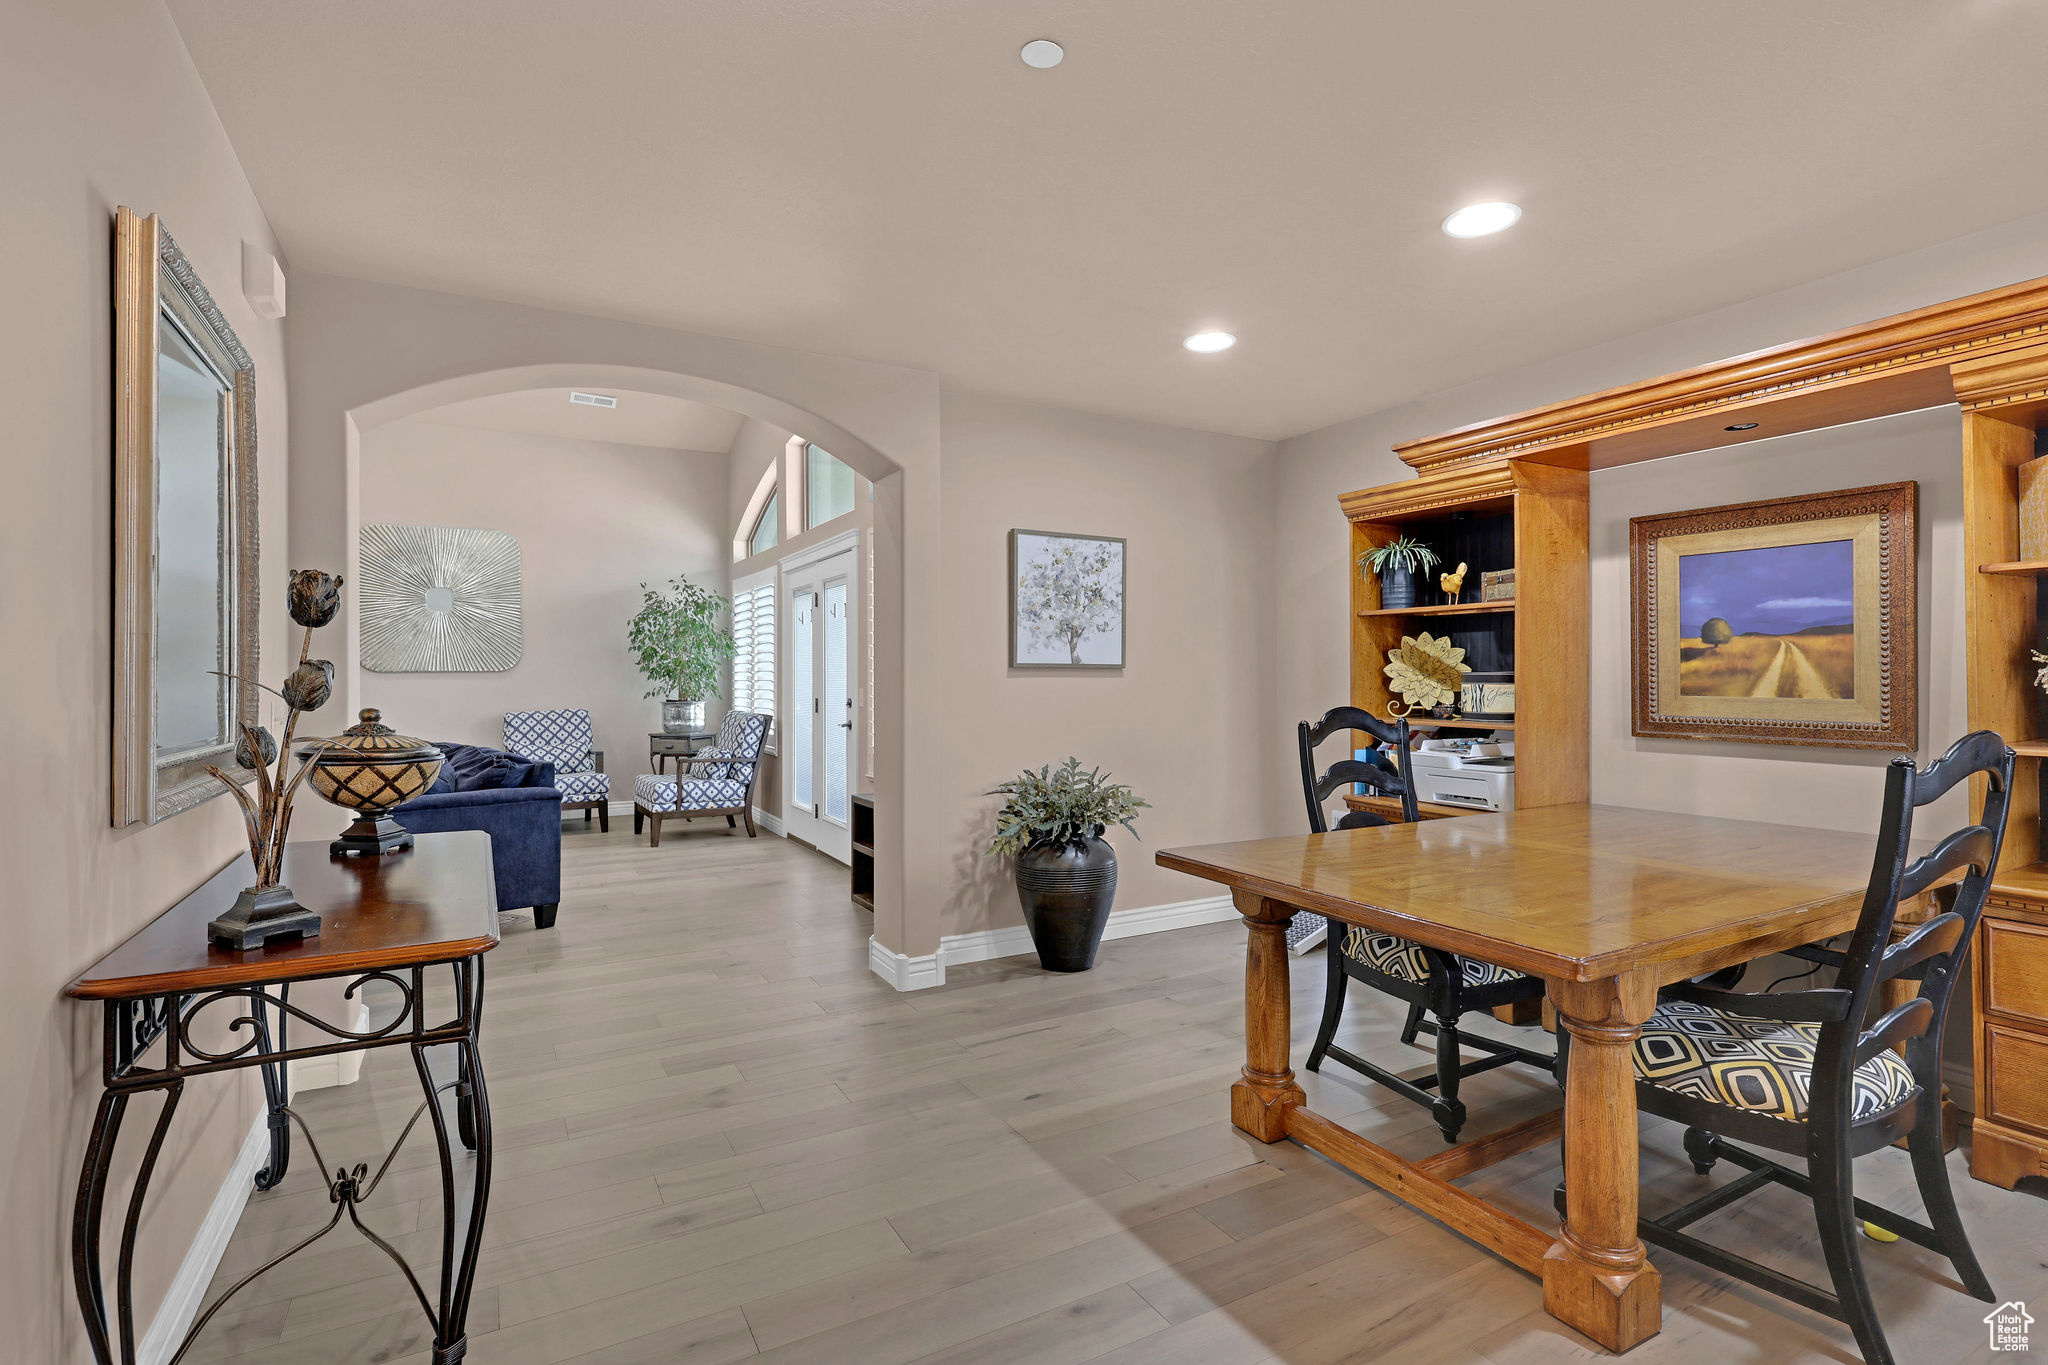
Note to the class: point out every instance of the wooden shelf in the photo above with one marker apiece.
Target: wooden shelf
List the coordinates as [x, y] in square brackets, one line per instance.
[1454, 609]
[2030, 881]
[2017, 567]
[1432, 723]
[2030, 748]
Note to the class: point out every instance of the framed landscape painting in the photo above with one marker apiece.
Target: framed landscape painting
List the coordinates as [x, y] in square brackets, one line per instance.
[1066, 600]
[1792, 621]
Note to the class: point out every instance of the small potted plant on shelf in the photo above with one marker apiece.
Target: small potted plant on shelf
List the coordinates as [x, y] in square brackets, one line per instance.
[1397, 564]
[680, 648]
[1052, 824]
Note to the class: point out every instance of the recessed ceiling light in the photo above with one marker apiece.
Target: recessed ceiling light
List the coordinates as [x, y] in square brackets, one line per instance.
[1208, 343]
[1043, 53]
[1478, 220]
[594, 400]
[1741, 426]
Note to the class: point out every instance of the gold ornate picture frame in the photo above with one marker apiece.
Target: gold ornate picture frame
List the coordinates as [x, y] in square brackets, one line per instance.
[1787, 621]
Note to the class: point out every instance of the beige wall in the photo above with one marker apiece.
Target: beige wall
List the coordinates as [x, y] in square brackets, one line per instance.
[1181, 721]
[103, 108]
[365, 354]
[593, 521]
[1829, 788]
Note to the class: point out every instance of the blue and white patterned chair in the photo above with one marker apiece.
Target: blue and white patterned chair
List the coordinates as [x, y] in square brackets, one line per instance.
[563, 739]
[716, 781]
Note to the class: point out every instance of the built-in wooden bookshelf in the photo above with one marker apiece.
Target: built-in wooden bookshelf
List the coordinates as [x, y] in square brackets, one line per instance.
[1507, 514]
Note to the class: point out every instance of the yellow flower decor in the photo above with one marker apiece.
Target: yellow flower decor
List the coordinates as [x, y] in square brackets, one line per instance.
[1426, 671]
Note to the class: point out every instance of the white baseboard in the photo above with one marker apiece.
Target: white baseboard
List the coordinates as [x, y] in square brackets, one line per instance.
[187, 1294]
[771, 823]
[342, 1068]
[915, 973]
[903, 972]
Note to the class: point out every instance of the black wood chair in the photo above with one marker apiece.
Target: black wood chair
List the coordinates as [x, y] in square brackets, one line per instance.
[1804, 1074]
[1440, 985]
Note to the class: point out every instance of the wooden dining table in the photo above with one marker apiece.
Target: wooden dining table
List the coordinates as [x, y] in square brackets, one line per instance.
[1604, 903]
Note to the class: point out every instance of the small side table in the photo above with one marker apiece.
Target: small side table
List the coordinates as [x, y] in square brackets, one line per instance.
[662, 746]
[386, 920]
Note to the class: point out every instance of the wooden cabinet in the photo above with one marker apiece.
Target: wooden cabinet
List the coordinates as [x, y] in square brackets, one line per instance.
[2011, 1012]
[1503, 514]
[2004, 619]
[864, 851]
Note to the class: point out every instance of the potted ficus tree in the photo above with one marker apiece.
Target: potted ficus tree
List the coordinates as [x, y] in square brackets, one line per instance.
[680, 648]
[1397, 564]
[1052, 823]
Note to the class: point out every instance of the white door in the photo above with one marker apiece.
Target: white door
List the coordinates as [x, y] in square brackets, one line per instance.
[821, 737]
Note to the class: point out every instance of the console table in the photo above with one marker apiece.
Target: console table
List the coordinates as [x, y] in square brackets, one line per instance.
[175, 1006]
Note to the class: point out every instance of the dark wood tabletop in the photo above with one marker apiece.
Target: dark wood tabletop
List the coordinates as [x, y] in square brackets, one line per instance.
[435, 903]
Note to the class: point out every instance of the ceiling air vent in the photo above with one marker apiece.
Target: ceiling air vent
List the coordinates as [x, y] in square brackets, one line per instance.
[595, 400]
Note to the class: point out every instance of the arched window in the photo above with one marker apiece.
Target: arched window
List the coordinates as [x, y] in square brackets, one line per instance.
[828, 486]
[767, 530]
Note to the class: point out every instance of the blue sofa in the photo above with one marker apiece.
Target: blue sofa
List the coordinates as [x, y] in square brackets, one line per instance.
[517, 804]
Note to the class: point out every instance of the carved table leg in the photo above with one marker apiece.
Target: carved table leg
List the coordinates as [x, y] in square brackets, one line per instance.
[1259, 1100]
[1596, 1276]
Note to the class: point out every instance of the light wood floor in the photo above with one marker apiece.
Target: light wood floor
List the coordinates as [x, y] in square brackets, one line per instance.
[720, 1137]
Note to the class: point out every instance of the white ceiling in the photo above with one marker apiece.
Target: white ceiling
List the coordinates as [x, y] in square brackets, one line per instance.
[640, 419]
[886, 179]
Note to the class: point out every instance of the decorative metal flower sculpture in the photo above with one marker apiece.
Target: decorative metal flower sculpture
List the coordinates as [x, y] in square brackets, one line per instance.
[268, 910]
[1426, 671]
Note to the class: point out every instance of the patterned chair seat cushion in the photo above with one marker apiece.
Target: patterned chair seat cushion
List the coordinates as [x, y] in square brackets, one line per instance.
[1762, 1065]
[663, 792]
[1404, 961]
[583, 786]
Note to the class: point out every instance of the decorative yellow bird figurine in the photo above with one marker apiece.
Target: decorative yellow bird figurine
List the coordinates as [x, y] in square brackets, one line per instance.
[1453, 583]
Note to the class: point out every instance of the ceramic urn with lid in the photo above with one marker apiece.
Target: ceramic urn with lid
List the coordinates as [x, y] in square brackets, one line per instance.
[371, 770]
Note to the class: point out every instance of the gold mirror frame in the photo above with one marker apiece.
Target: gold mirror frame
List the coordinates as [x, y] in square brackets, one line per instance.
[153, 278]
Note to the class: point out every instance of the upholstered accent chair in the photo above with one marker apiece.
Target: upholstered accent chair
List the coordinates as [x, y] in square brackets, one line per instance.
[1829, 1074]
[563, 739]
[1442, 986]
[715, 781]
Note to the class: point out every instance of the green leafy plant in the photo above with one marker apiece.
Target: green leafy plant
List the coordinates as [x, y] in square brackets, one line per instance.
[1060, 805]
[1406, 553]
[678, 642]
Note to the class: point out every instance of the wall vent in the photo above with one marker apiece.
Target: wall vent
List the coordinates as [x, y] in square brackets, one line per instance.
[595, 400]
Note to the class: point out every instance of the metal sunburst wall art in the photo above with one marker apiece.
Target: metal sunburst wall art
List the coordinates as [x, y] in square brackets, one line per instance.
[439, 599]
[1427, 671]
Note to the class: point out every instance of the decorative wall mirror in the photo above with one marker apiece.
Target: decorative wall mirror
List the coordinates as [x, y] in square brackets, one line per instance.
[185, 551]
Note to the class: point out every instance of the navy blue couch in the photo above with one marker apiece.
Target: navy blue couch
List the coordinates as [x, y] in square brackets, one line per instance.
[516, 803]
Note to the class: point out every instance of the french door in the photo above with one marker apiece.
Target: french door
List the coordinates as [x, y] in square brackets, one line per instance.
[821, 737]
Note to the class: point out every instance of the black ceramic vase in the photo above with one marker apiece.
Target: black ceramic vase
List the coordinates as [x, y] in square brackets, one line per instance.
[1397, 588]
[1066, 890]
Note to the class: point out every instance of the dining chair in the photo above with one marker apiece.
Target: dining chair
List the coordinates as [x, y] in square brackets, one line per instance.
[1809, 1074]
[1439, 987]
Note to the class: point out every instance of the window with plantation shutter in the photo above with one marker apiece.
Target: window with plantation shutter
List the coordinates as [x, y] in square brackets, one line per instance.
[753, 638]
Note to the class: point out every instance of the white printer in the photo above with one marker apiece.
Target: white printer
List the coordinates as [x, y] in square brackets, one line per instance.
[1475, 773]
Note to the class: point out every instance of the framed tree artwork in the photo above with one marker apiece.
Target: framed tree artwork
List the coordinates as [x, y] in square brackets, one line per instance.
[1792, 621]
[1066, 600]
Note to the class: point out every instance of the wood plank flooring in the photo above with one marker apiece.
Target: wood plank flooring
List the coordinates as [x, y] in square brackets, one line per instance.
[721, 1138]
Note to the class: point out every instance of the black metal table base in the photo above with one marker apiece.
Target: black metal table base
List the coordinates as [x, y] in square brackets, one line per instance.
[133, 1027]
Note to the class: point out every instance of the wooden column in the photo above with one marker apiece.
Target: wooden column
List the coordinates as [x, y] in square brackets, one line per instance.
[1597, 1276]
[1259, 1101]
